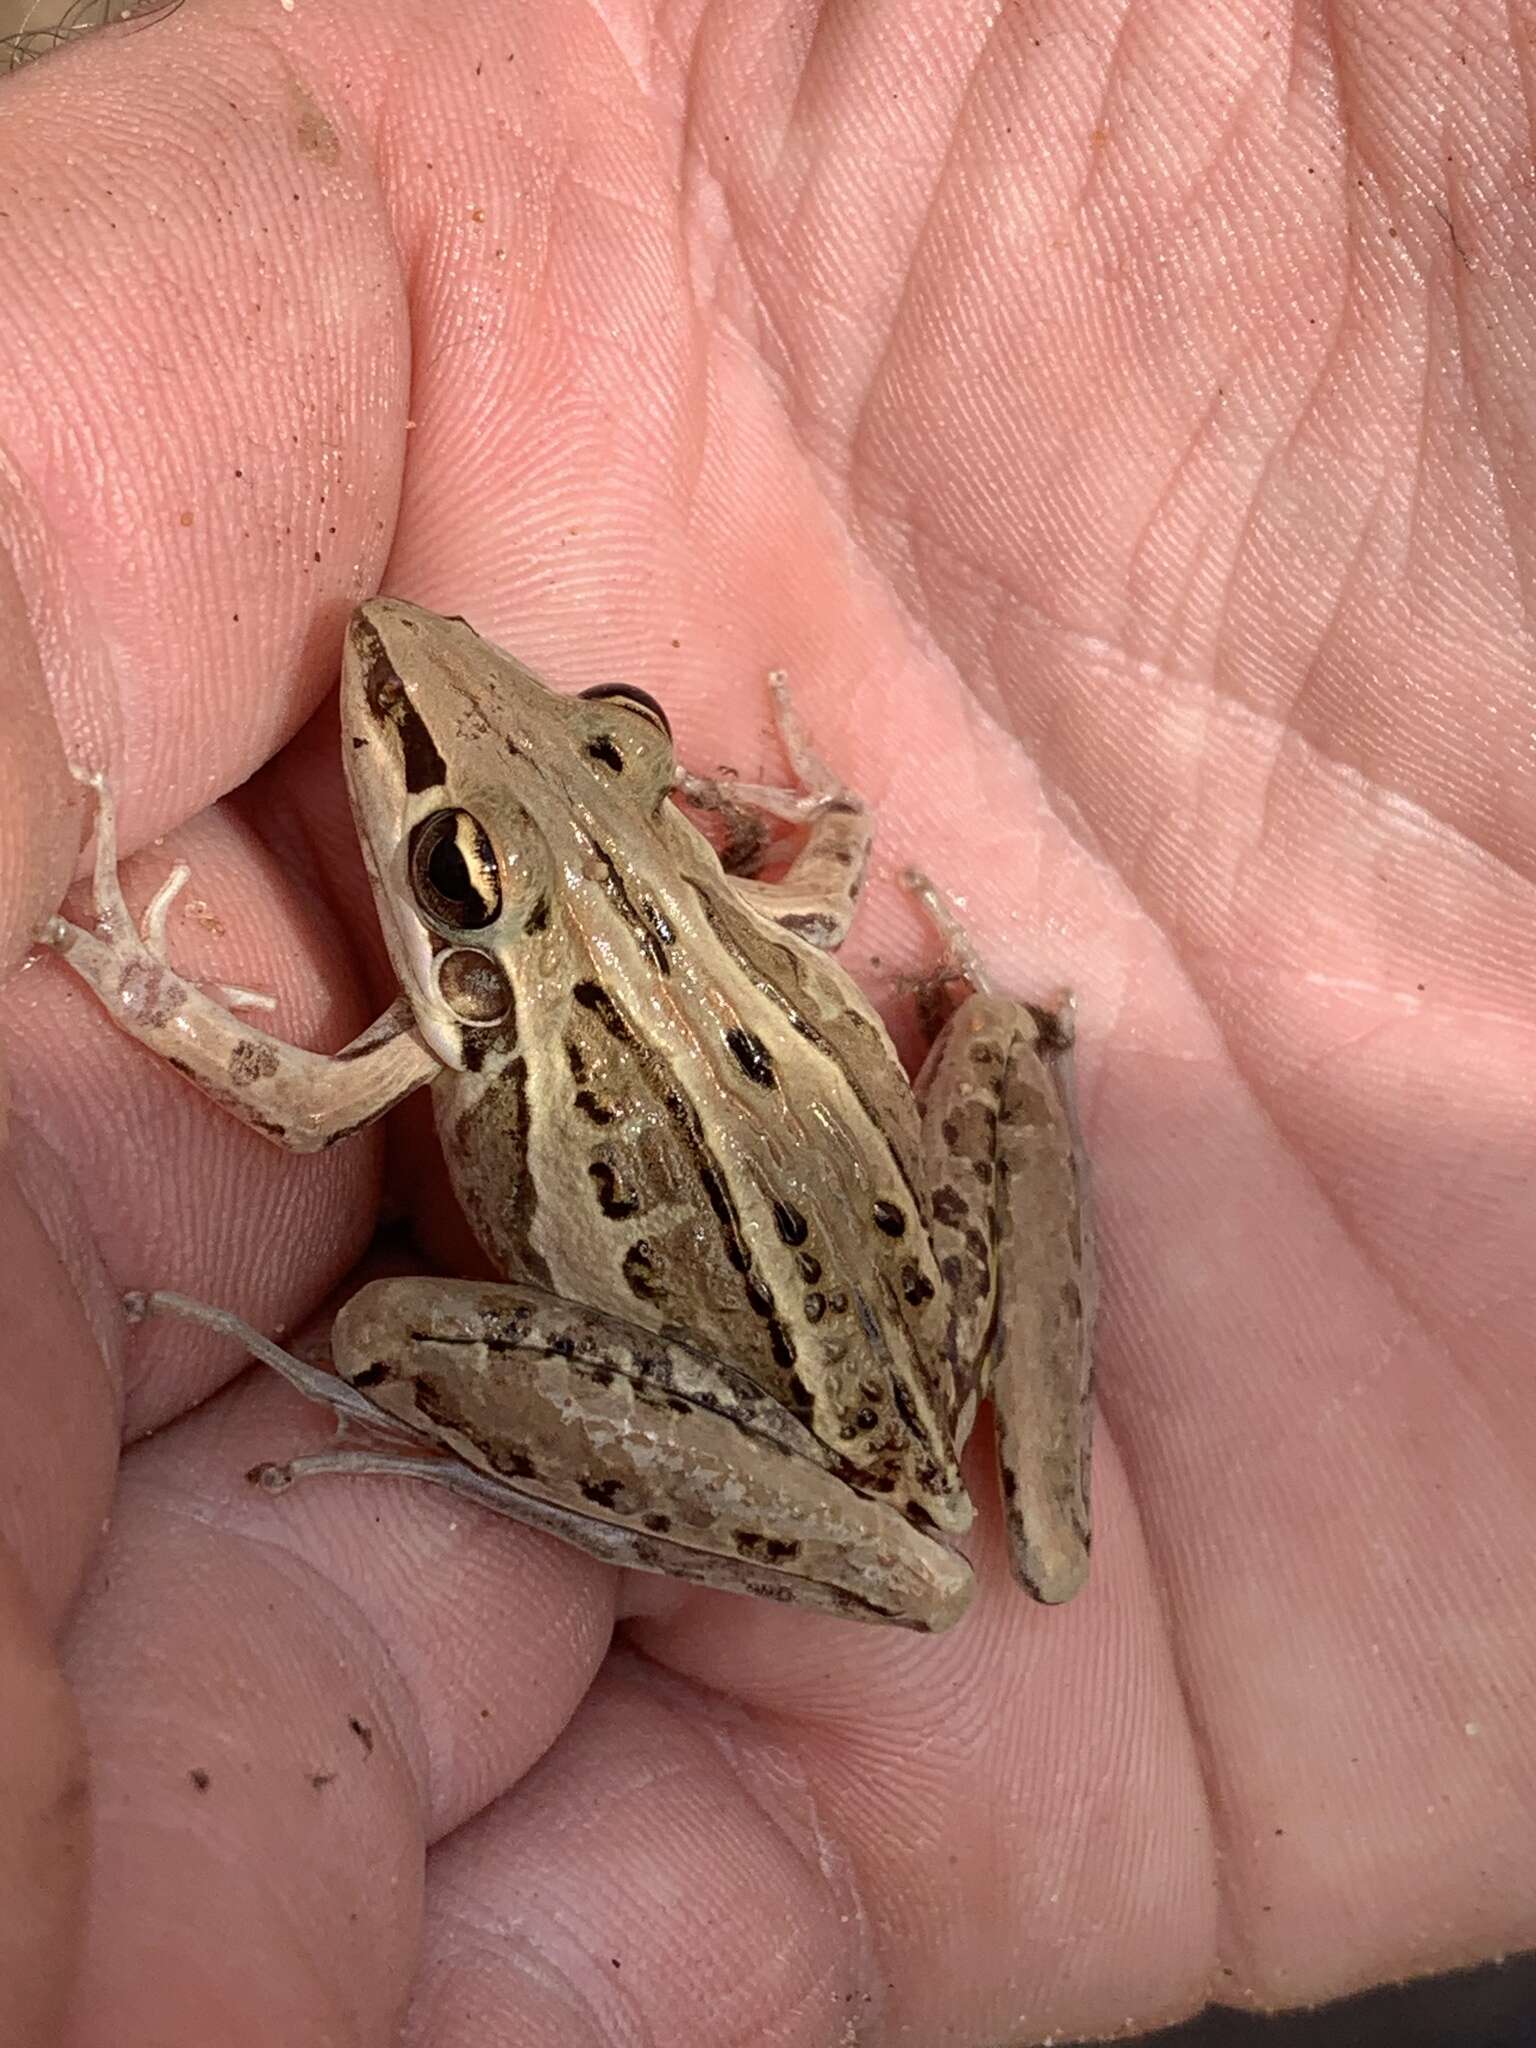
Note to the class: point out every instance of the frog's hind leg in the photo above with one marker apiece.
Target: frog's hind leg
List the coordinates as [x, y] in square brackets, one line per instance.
[819, 891]
[1003, 1164]
[639, 1451]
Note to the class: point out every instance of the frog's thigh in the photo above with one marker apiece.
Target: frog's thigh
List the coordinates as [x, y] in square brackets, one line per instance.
[640, 1451]
[1005, 1179]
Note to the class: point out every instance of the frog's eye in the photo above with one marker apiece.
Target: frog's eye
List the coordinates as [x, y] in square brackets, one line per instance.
[637, 700]
[453, 872]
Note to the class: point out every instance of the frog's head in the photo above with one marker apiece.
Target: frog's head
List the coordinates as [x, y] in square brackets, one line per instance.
[461, 763]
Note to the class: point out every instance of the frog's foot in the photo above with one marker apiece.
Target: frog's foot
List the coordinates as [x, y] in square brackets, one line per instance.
[960, 961]
[1056, 1018]
[816, 895]
[113, 937]
[747, 835]
[817, 789]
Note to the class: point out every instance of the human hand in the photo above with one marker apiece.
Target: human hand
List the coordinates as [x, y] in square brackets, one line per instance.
[1115, 423]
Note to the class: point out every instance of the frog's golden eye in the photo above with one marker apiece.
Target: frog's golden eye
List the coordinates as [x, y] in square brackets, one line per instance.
[453, 872]
[637, 700]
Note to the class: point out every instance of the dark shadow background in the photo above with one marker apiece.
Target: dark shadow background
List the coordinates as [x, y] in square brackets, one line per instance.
[1493, 2007]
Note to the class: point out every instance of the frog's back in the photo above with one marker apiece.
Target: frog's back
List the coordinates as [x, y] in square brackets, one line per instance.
[704, 1128]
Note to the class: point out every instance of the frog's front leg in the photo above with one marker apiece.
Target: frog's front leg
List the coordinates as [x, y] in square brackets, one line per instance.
[302, 1100]
[1007, 1184]
[819, 891]
[638, 1450]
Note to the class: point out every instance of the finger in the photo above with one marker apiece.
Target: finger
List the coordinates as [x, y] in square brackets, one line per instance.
[191, 615]
[43, 1825]
[243, 404]
[1017, 1806]
[282, 1694]
[58, 1428]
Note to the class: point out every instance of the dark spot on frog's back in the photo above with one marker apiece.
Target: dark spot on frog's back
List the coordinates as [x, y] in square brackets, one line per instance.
[752, 1056]
[615, 1204]
[789, 1223]
[890, 1219]
[640, 1271]
[591, 997]
[603, 1493]
[916, 1287]
[949, 1206]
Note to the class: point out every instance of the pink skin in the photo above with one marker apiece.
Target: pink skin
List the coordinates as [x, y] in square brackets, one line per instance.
[1116, 419]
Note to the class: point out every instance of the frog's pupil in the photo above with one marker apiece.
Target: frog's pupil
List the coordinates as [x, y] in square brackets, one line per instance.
[450, 877]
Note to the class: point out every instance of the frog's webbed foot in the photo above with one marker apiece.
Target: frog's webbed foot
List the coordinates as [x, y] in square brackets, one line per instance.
[816, 896]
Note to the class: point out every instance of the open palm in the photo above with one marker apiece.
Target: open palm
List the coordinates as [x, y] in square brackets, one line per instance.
[1116, 418]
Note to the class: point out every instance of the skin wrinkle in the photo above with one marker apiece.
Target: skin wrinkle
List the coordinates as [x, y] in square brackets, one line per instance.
[578, 1986]
[895, 325]
[701, 1715]
[834, 1867]
[1348, 774]
[1504, 486]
